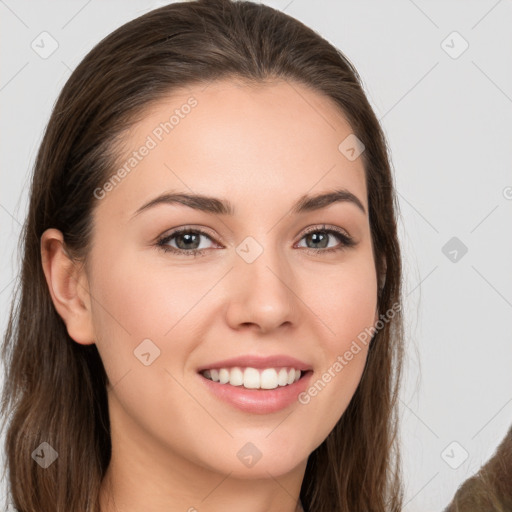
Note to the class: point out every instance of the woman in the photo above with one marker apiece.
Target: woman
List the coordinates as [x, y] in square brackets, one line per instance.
[140, 374]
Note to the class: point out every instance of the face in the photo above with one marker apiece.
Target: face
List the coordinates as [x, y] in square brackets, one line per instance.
[278, 285]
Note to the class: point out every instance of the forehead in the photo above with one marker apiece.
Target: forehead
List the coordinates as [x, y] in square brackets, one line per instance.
[235, 139]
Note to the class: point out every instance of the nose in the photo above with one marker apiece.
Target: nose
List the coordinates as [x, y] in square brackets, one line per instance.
[262, 293]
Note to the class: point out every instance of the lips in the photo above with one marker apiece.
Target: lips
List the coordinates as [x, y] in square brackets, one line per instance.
[260, 400]
[269, 392]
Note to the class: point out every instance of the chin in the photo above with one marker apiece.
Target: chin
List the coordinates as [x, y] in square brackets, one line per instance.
[248, 463]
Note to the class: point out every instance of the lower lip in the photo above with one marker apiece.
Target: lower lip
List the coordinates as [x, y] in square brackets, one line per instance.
[258, 401]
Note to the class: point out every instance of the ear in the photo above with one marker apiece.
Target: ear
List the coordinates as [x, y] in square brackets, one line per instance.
[68, 286]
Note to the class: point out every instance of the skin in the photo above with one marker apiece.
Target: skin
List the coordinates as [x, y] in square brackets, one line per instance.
[174, 444]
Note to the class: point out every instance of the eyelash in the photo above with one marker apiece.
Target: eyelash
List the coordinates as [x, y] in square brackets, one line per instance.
[345, 241]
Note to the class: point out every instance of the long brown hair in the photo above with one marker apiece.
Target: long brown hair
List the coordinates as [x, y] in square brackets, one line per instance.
[55, 389]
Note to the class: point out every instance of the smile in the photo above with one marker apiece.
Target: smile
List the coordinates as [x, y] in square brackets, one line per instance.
[256, 399]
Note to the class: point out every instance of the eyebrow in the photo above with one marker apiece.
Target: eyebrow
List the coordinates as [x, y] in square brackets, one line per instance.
[225, 207]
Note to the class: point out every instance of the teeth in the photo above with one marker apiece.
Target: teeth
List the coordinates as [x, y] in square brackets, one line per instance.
[236, 377]
[282, 378]
[268, 379]
[223, 375]
[252, 378]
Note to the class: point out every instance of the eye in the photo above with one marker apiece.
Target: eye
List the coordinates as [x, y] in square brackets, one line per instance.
[320, 236]
[188, 242]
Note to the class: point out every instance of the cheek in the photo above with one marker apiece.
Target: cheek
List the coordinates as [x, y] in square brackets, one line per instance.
[129, 305]
[135, 301]
[141, 323]
[140, 300]
[345, 300]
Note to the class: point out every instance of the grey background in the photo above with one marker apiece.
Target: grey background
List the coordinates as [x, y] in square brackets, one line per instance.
[448, 122]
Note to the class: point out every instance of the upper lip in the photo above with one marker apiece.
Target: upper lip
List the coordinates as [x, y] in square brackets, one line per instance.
[258, 362]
